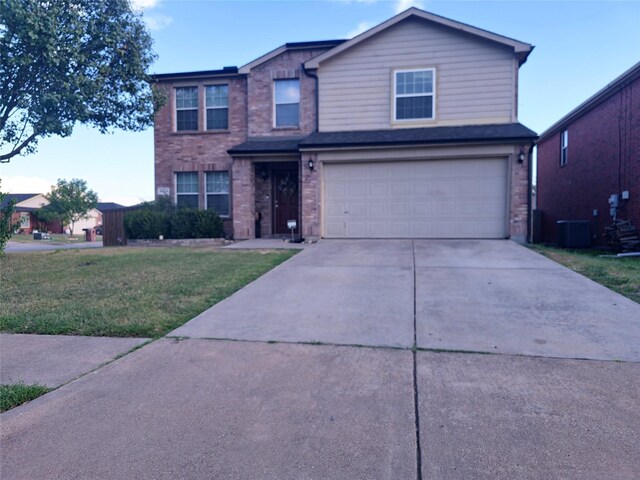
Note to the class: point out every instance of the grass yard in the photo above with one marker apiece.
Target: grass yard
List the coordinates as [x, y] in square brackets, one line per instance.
[621, 275]
[12, 395]
[122, 292]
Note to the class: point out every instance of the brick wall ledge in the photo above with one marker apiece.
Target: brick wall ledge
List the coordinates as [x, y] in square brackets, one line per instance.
[182, 242]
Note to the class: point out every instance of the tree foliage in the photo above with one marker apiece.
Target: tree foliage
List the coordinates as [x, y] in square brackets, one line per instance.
[68, 61]
[69, 202]
[6, 227]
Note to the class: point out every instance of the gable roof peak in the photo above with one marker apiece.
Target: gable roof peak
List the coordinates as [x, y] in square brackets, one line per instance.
[520, 49]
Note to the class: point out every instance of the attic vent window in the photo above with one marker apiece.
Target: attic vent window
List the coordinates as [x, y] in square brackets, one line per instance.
[414, 94]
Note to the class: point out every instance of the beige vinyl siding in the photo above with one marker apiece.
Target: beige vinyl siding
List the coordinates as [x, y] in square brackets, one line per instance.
[475, 79]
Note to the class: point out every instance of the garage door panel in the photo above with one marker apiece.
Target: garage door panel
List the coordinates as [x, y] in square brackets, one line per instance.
[421, 199]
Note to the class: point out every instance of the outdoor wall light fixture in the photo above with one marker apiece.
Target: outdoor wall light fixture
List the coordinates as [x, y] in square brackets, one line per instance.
[521, 155]
[263, 174]
[310, 164]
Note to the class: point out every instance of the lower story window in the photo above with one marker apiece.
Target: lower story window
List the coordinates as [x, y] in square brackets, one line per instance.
[218, 192]
[187, 189]
[25, 220]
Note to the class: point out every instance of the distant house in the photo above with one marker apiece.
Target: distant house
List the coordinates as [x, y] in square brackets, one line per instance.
[409, 130]
[589, 161]
[27, 205]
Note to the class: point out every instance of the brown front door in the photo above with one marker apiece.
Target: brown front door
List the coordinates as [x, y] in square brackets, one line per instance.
[285, 200]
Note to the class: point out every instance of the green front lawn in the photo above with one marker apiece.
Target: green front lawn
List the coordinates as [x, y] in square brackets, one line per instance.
[12, 395]
[621, 274]
[137, 292]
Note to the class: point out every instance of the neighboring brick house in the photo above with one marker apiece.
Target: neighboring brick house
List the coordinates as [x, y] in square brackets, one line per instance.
[589, 155]
[28, 204]
[407, 130]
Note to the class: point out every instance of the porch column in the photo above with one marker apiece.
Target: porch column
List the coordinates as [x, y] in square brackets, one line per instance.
[244, 198]
[310, 197]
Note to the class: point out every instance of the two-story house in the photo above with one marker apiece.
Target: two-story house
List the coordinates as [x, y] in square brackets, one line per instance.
[589, 161]
[407, 130]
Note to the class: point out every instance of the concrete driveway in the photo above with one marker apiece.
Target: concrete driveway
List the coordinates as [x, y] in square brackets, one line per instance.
[254, 408]
[485, 296]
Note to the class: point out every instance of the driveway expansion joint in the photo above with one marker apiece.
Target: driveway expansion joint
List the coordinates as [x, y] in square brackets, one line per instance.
[414, 350]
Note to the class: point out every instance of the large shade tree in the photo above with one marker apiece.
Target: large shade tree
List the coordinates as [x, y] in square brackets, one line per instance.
[64, 62]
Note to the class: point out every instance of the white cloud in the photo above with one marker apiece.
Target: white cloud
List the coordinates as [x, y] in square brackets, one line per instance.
[402, 5]
[144, 4]
[23, 184]
[362, 27]
[157, 21]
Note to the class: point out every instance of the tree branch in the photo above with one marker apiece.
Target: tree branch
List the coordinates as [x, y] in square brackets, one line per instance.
[7, 156]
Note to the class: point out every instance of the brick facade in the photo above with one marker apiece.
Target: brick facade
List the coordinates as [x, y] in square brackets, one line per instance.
[519, 195]
[603, 159]
[251, 117]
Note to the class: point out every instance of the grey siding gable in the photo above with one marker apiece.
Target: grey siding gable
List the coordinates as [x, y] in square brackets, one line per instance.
[476, 79]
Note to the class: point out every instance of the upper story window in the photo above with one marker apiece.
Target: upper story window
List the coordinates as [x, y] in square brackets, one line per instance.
[217, 102]
[187, 189]
[564, 147]
[218, 192]
[287, 103]
[186, 109]
[414, 93]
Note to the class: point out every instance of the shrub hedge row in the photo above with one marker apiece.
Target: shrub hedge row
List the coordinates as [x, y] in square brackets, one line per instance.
[153, 220]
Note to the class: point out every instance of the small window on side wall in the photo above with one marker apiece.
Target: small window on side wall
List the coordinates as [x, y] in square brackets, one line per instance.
[187, 189]
[287, 103]
[564, 147]
[186, 109]
[414, 93]
[217, 100]
[218, 192]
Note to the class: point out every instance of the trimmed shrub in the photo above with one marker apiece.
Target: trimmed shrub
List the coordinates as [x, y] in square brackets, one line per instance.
[153, 220]
[146, 223]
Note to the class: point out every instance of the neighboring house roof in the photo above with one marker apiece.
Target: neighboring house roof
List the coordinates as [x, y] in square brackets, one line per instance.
[418, 136]
[521, 49]
[224, 72]
[627, 77]
[267, 145]
[106, 206]
[289, 46]
[17, 197]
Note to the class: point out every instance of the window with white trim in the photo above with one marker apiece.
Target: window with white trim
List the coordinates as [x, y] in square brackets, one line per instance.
[217, 102]
[287, 102]
[187, 189]
[186, 109]
[414, 92]
[564, 147]
[217, 188]
[25, 220]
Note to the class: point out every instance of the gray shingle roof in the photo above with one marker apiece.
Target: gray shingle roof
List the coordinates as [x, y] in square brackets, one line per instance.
[18, 197]
[267, 145]
[415, 136]
[373, 138]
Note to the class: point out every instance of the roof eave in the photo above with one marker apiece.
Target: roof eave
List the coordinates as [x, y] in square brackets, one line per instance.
[413, 143]
[600, 96]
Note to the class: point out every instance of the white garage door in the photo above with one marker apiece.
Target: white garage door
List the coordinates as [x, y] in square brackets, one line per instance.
[422, 199]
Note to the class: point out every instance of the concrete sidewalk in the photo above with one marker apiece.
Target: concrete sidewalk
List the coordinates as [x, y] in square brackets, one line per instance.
[203, 409]
[13, 247]
[52, 360]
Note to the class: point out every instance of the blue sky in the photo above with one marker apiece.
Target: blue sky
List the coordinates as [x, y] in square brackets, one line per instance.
[580, 46]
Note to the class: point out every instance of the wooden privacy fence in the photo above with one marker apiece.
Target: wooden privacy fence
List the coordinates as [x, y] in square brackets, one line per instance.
[113, 226]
